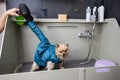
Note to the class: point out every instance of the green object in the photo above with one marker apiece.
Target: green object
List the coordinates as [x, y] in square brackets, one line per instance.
[19, 20]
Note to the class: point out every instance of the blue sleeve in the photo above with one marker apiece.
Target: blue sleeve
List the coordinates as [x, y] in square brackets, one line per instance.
[38, 32]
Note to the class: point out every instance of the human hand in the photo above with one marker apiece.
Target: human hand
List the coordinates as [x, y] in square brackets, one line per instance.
[12, 12]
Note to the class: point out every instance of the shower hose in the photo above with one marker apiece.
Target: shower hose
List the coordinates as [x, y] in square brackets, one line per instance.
[88, 58]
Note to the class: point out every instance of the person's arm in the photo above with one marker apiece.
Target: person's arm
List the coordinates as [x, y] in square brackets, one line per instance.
[3, 17]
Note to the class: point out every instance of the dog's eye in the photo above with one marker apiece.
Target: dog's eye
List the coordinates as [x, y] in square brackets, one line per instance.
[65, 50]
[60, 51]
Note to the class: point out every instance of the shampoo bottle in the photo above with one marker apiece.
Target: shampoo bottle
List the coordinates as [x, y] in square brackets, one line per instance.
[88, 14]
[101, 10]
[94, 9]
[94, 13]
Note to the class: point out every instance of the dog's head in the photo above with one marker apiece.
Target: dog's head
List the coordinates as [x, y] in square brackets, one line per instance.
[61, 51]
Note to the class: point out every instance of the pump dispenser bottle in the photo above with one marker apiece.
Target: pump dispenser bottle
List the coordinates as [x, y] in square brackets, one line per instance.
[101, 10]
[94, 13]
[88, 14]
[94, 8]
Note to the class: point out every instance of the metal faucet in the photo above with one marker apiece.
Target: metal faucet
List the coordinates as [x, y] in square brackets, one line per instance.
[87, 34]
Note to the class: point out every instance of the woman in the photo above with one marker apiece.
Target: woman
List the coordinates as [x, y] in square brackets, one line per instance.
[3, 17]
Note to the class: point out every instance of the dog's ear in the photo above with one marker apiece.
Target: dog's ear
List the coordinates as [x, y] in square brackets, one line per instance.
[67, 45]
[57, 45]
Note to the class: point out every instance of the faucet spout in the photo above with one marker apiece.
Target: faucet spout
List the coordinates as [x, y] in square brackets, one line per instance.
[87, 34]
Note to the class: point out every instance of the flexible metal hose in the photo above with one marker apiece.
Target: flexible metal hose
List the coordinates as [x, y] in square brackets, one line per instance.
[88, 58]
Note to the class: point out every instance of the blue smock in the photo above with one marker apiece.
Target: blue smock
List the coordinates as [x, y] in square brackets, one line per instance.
[45, 51]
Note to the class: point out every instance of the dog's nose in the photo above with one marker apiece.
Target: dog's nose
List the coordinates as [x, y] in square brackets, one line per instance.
[63, 55]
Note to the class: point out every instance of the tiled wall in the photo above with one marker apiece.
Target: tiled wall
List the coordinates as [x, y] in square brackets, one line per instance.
[74, 8]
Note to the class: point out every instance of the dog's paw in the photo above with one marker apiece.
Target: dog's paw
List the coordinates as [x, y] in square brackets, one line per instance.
[61, 67]
[50, 65]
[34, 67]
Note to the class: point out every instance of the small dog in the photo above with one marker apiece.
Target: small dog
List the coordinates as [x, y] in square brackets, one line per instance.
[46, 55]
[61, 52]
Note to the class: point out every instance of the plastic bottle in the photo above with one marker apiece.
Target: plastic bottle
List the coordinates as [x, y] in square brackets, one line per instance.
[94, 9]
[88, 14]
[101, 10]
[94, 13]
